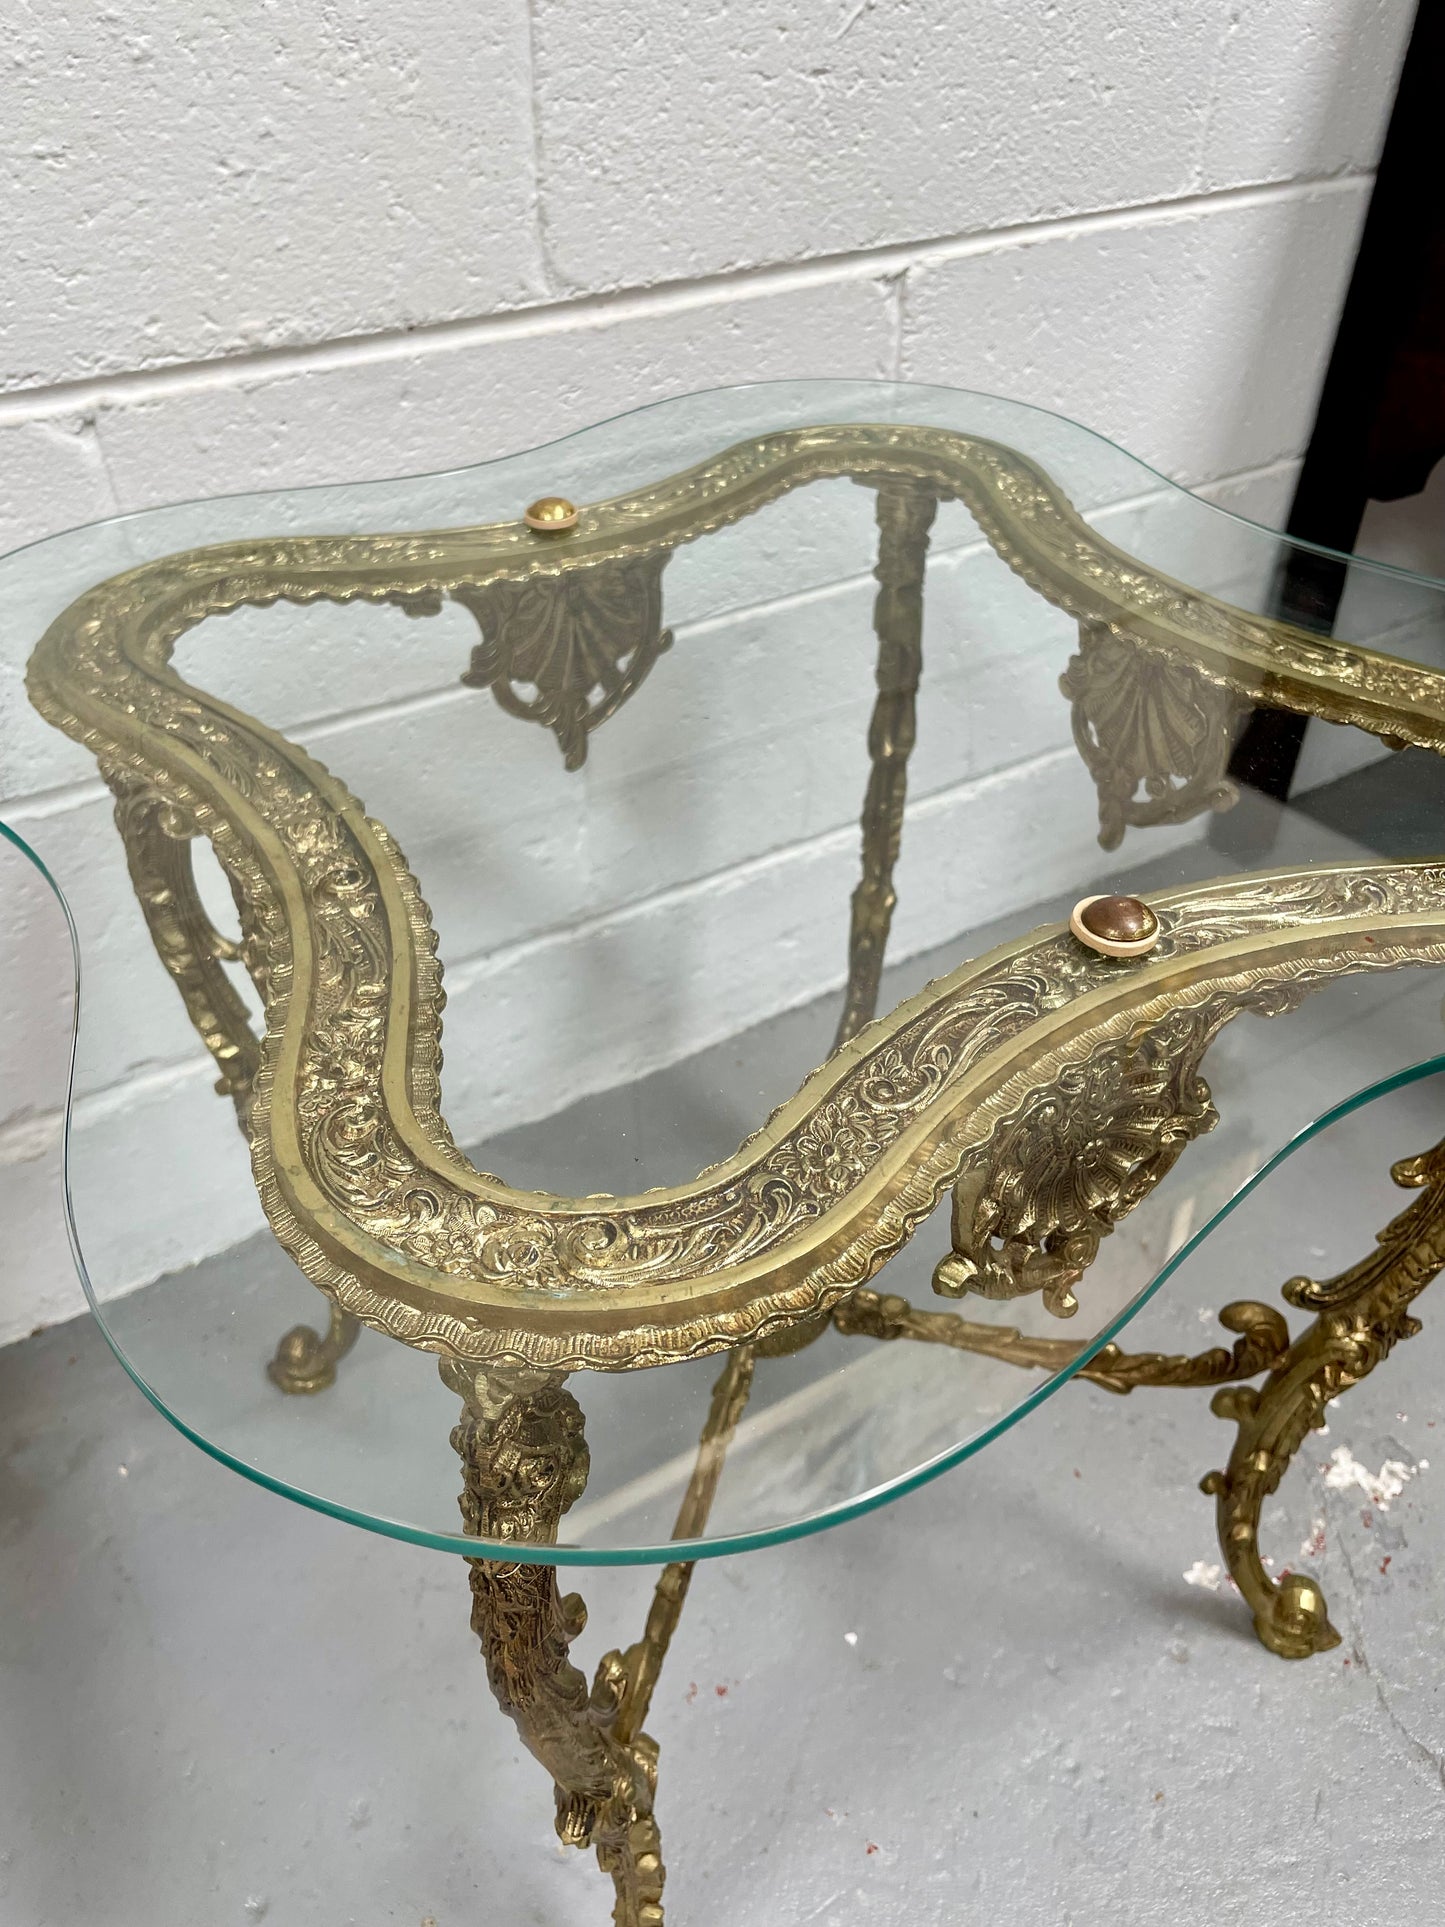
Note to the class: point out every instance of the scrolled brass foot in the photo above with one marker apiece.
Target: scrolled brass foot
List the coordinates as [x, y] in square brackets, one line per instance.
[1290, 1615]
[1362, 1314]
[1296, 1623]
[306, 1361]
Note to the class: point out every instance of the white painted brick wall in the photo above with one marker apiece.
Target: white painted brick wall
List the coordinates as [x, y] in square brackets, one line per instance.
[264, 247]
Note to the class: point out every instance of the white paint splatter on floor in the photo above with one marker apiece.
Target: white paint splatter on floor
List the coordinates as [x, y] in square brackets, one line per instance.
[1380, 1488]
[1202, 1574]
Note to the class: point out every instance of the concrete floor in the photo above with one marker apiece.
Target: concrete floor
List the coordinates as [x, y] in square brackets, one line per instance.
[218, 1708]
[999, 1702]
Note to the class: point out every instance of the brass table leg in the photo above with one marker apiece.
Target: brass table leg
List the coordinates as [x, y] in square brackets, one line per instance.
[1362, 1313]
[525, 1462]
[158, 837]
[905, 516]
[306, 1360]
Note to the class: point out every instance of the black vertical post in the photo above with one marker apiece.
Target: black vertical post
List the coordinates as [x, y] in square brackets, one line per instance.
[1388, 306]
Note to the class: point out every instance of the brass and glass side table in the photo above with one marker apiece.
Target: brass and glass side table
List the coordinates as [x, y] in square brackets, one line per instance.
[587, 735]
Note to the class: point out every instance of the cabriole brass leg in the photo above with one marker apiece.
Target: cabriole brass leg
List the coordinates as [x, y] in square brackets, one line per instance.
[1362, 1313]
[525, 1462]
[305, 1360]
[158, 837]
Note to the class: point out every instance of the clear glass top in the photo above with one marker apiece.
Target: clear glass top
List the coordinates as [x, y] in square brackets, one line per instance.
[641, 887]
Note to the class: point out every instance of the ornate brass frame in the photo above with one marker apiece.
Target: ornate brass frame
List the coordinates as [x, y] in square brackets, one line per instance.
[358, 1174]
[1050, 1087]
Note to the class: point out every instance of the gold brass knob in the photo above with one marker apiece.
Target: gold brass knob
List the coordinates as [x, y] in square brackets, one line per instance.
[551, 514]
[1115, 926]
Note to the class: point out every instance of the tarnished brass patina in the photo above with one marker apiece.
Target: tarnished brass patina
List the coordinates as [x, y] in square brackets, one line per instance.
[1048, 1086]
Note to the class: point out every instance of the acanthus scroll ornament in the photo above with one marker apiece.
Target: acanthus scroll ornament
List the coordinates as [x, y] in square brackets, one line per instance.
[582, 641]
[1143, 721]
[1034, 1201]
[1030, 1213]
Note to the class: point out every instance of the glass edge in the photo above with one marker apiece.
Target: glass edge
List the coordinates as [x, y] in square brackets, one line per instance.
[419, 476]
[671, 1550]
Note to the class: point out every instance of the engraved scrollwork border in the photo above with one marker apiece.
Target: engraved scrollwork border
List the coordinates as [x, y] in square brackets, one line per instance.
[357, 1172]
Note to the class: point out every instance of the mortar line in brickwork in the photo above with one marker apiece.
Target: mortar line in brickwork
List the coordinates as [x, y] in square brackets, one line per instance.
[463, 973]
[889, 259]
[551, 279]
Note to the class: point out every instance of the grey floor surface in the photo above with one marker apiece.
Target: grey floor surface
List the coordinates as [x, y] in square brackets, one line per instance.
[216, 1707]
[1020, 1697]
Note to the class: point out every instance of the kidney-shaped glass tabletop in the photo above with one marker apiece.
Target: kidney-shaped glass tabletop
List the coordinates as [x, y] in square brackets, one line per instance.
[714, 1052]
